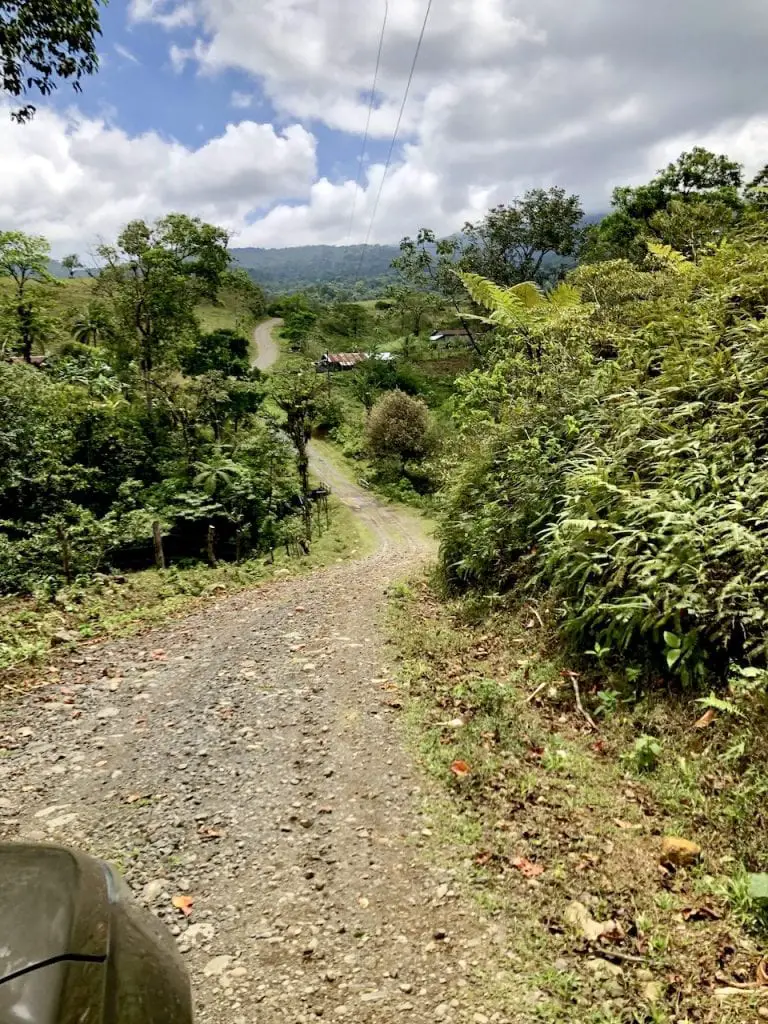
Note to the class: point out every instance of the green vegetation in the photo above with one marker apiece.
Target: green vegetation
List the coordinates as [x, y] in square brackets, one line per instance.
[587, 671]
[326, 273]
[143, 437]
[611, 455]
[541, 812]
[33, 627]
[44, 41]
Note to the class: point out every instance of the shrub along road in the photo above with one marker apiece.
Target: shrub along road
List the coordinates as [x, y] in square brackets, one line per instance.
[244, 769]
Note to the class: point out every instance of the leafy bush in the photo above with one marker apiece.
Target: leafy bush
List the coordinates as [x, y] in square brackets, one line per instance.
[398, 427]
[614, 453]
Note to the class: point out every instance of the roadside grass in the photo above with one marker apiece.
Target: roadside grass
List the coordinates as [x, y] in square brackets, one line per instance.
[542, 811]
[34, 630]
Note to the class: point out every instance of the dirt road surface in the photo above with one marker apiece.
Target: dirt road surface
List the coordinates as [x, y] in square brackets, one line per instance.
[266, 346]
[250, 757]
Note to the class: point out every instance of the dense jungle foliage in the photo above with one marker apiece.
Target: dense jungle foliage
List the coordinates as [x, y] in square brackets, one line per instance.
[613, 446]
[131, 417]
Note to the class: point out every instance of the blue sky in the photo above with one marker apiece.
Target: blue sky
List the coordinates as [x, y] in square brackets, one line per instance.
[506, 96]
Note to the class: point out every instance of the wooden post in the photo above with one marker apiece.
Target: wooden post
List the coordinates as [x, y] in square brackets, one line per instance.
[157, 538]
[211, 546]
[66, 561]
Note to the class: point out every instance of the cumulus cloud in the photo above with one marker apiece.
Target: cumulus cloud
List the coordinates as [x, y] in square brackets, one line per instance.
[76, 179]
[507, 94]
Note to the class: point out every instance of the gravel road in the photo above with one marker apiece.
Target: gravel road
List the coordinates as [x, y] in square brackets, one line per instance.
[266, 346]
[250, 757]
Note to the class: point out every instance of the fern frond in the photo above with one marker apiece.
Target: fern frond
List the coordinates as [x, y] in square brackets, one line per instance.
[666, 254]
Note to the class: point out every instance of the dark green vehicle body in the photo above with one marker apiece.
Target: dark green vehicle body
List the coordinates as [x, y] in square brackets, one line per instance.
[76, 949]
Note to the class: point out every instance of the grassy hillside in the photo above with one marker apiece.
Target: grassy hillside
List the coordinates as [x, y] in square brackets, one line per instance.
[68, 297]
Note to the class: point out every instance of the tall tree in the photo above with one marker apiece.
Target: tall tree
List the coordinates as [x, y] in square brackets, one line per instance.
[44, 41]
[300, 397]
[154, 276]
[690, 203]
[71, 263]
[513, 242]
[24, 259]
[430, 265]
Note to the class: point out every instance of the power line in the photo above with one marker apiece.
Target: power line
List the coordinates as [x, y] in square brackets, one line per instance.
[394, 136]
[368, 121]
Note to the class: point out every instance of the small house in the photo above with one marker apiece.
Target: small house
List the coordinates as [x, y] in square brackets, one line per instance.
[331, 362]
[450, 336]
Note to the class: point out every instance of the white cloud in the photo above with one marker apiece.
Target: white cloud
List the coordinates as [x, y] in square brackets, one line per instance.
[76, 179]
[507, 94]
[170, 14]
[123, 51]
[240, 100]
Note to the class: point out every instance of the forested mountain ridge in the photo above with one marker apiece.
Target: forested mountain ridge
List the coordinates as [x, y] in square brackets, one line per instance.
[296, 267]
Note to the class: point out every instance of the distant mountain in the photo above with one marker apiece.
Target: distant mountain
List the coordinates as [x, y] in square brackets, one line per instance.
[302, 266]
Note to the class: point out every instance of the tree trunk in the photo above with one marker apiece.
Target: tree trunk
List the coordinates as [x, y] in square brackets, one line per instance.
[211, 546]
[25, 329]
[157, 538]
[238, 545]
[66, 561]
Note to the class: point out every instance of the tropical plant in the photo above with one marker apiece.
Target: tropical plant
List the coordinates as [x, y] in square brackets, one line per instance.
[42, 41]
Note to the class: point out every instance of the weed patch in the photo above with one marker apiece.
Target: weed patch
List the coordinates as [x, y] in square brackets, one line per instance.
[559, 822]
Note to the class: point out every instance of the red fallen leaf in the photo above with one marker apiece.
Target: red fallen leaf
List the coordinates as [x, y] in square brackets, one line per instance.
[700, 914]
[184, 904]
[158, 655]
[460, 769]
[599, 747]
[706, 718]
[527, 867]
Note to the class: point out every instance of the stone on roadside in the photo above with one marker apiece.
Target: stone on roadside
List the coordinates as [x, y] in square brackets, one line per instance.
[216, 967]
[152, 890]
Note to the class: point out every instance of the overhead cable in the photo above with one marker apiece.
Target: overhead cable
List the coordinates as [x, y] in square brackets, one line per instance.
[361, 164]
[395, 135]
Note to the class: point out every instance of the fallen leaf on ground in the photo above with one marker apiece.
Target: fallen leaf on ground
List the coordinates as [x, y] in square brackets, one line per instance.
[158, 655]
[625, 824]
[460, 769]
[184, 904]
[527, 867]
[483, 858]
[700, 914]
[705, 720]
[132, 798]
[364, 902]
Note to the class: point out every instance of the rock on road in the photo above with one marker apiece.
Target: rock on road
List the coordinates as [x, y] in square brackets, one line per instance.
[250, 757]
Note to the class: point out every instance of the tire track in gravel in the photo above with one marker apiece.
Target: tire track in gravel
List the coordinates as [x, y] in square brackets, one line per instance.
[250, 756]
